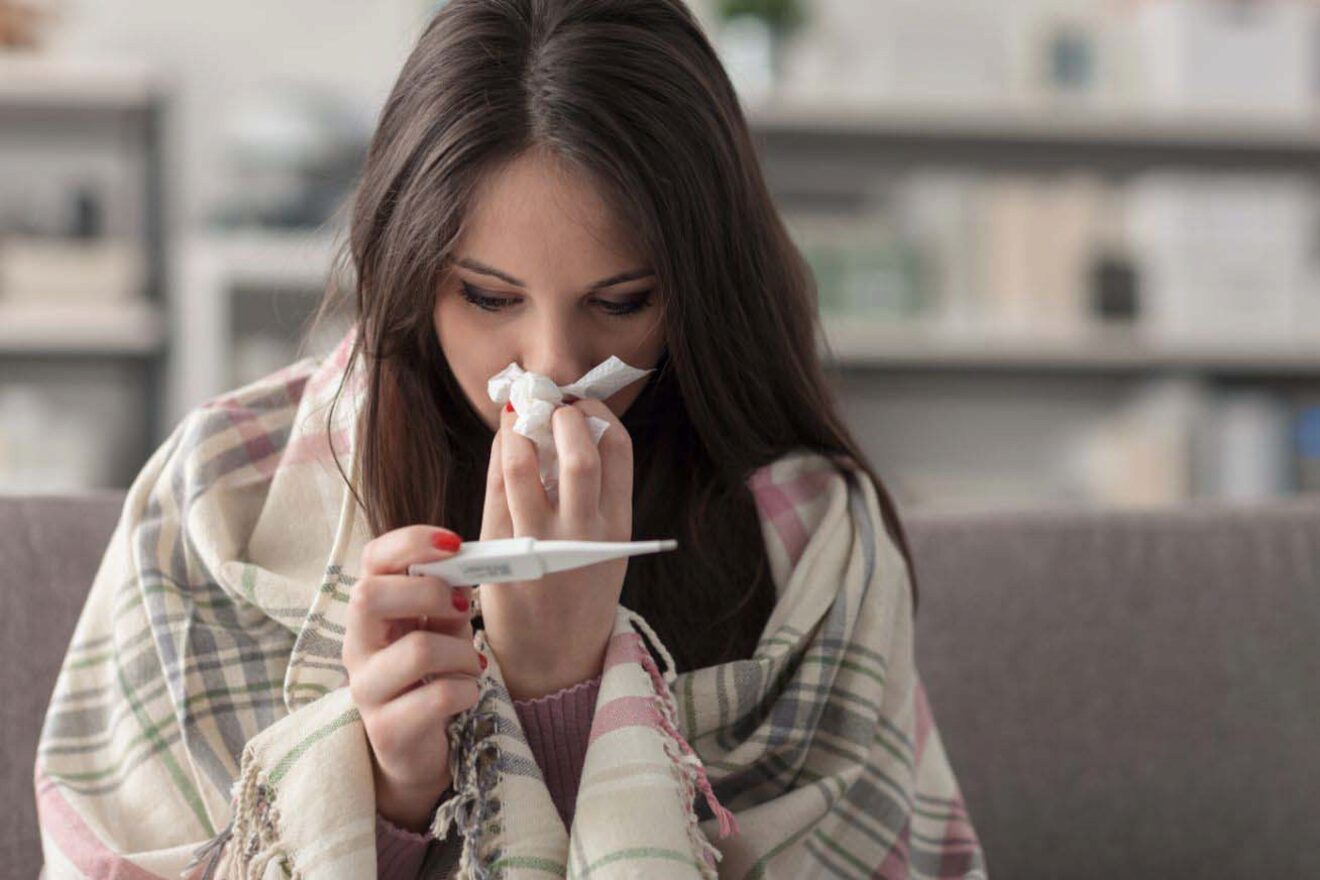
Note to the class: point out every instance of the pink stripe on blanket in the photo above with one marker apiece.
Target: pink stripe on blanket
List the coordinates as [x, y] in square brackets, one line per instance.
[629, 711]
[895, 865]
[623, 648]
[314, 448]
[958, 842]
[261, 449]
[619, 713]
[779, 503]
[75, 840]
[622, 711]
[331, 369]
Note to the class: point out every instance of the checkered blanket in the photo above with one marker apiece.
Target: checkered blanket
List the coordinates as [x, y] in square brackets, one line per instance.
[201, 724]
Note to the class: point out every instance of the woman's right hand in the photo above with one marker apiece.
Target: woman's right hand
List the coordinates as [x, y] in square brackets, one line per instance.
[388, 652]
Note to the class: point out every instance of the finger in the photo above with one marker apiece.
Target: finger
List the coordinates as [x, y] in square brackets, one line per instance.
[397, 629]
[376, 601]
[418, 709]
[495, 520]
[458, 628]
[393, 670]
[529, 506]
[579, 465]
[394, 551]
[616, 462]
[379, 599]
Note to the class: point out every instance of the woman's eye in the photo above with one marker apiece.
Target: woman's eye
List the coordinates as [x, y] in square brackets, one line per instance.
[631, 307]
[497, 303]
[480, 300]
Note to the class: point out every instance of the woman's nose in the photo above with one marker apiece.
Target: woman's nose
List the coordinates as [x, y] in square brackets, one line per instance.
[557, 354]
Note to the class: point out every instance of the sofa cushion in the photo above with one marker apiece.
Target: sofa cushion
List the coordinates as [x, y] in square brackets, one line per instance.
[50, 548]
[1129, 694]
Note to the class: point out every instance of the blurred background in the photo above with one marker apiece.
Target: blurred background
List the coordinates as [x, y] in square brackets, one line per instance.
[1067, 250]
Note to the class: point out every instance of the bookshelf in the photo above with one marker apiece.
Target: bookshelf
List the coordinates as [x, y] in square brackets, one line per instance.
[885, 346]
[128, 331]
[101, 120]
[1037, 137]
[981, 405]
[911, 388]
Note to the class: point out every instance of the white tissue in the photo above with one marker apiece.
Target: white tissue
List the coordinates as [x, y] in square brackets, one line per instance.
[535, 398]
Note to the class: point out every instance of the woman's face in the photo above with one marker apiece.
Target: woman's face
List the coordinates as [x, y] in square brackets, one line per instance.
[544, 275]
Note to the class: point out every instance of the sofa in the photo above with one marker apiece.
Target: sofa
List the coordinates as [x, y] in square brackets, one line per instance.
[1121, 693]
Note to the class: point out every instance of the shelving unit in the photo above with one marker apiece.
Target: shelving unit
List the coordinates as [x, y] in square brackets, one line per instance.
[1035, 138]
[65, 109]
[45, 83]
[909, 391]
[855, 345]
[980, 416]
[134, 331]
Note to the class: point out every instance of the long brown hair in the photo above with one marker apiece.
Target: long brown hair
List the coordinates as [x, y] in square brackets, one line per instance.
[631, 92]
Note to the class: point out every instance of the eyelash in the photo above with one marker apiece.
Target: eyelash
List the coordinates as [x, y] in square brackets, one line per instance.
[614, 310]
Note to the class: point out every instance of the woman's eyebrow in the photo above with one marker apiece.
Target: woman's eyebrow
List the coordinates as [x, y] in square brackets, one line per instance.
[483, 269]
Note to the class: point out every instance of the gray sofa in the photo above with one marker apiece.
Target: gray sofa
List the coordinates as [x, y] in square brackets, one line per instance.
[1122, 694]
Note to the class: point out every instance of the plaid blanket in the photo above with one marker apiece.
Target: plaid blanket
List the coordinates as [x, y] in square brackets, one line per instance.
[201, 725]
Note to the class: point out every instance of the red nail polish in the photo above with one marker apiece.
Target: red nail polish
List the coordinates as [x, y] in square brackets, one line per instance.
[481, 658]
[508, 407]
[446, 541]
[460, 602]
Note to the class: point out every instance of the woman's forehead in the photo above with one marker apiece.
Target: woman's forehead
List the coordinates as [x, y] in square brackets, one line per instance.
[537, 214]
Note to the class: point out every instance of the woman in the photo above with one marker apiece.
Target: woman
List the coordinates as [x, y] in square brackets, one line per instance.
[257, 688]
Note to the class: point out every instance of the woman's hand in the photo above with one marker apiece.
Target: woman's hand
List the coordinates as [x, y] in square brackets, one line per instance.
[552, 632]
[387, 651]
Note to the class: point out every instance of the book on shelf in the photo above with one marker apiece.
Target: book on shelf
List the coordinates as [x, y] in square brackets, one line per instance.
[1226, 259]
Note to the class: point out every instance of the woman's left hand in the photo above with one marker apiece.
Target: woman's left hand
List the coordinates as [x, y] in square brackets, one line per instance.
[552, 632]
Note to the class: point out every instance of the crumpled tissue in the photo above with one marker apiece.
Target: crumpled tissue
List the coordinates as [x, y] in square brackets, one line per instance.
[535, 398]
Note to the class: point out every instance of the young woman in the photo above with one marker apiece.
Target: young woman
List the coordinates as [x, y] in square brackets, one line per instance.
[258, 688]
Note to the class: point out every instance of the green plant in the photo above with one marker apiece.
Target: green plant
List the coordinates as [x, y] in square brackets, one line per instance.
[783, 16]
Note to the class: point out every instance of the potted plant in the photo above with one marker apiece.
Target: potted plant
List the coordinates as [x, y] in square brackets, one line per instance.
[782, 16]
[752, 38]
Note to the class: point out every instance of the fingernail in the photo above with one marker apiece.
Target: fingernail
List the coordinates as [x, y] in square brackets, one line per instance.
[481, 658]
[460, 601]
[508, 407]
[446, 541]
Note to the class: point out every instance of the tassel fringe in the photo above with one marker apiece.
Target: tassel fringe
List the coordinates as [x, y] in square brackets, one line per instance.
[251, 842]
[474, 767]
[690, 770]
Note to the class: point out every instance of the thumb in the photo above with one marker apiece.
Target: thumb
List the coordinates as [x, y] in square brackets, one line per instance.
[496, 521]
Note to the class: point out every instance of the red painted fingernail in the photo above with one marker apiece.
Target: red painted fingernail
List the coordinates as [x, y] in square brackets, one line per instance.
[460, 602]
[446, 541]
[508, 407]
[481, 658]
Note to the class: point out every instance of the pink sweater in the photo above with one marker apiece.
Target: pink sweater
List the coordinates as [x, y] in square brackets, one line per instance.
[557, 727]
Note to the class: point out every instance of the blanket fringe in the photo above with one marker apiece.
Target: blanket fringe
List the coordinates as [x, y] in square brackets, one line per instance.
[474, 768]
[210, 853]
[251, 842]
[691, 770]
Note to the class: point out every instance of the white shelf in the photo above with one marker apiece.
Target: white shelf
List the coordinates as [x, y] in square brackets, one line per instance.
[1100, 126]
[275, 258]
[863, 343]
[130, 329]
[32, 80]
